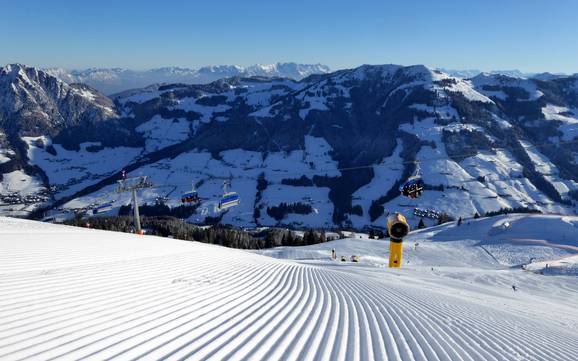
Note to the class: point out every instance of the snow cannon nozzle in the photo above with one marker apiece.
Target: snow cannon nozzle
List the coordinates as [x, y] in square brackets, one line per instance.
[397, 227]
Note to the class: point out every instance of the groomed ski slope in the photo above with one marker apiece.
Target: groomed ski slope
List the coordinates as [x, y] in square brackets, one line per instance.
[70, 293]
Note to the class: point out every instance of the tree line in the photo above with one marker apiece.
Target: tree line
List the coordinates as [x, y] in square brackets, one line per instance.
[279, 212]
[224, 235]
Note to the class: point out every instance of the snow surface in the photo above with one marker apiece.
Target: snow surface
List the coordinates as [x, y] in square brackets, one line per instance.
[74, 293]
[140, 95]
[206, 112]
[20, 182]
[71, 171]
[549, 170]
[387, 172]
[175, 176]
[4, 155]
[481, 81]
[464, 194]
[568, 124]
[467, 89]
[159, 132]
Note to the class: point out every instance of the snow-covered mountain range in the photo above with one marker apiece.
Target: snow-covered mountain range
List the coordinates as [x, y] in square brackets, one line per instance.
[329, 150]
[115, 80]
[514, 73]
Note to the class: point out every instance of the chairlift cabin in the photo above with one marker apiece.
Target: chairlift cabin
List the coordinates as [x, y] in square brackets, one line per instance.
[161, 200]
[102, 208]
[229, 199]
[412, 188]
[191, 197]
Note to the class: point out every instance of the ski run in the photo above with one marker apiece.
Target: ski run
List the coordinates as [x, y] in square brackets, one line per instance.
[79, 294]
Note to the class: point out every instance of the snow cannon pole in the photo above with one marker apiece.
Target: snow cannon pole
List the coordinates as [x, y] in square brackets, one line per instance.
[397, 228]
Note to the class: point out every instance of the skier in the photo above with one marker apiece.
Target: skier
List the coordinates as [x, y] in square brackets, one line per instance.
[514, 288]
[333, 254]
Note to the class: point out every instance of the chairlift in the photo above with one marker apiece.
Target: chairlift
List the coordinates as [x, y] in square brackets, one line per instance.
[229, 199]
[413, 187]
[161, 200]
[105, 207]
[191, 197]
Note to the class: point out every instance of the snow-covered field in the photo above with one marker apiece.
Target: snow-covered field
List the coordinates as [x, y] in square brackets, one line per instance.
[176, 176]
[74, 293]
[71, 171]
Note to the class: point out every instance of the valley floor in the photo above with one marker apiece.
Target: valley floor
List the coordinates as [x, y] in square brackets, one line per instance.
[83, 294]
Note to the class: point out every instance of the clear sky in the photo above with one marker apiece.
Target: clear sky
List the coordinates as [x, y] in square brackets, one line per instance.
[530, 35]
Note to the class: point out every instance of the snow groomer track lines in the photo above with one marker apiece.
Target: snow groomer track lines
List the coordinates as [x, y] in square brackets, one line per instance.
[151, 298]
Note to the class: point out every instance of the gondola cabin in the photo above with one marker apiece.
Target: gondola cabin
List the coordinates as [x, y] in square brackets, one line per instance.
[229, 200]
[190, 198]
[412, 188]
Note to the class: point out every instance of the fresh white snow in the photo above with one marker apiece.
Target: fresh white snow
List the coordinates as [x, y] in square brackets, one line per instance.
[159, 132]
[567, 118]
[70, 171]
[73, 293]
[20, 182]
[243, 168]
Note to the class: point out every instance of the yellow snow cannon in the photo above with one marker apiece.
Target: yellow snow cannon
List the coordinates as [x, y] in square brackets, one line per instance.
[397, 228]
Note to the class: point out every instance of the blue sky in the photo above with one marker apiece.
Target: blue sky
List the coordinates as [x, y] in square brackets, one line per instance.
[530, 35]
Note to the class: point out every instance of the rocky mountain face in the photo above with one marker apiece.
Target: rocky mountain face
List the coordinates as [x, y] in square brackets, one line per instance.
[328, 150]
[33, 103]
[116, 80]
[36, 103]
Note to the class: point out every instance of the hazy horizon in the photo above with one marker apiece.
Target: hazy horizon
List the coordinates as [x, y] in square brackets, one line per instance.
[441, 68]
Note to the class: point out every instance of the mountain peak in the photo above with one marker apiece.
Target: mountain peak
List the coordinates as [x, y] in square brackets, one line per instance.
[37, 102]
[14, 70]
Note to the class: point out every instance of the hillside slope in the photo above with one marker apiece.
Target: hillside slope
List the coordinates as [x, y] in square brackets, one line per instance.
[76, 293]
[330, 150]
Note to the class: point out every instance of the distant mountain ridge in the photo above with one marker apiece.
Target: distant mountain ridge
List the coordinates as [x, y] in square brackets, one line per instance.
[116, 80]
[514, 73]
